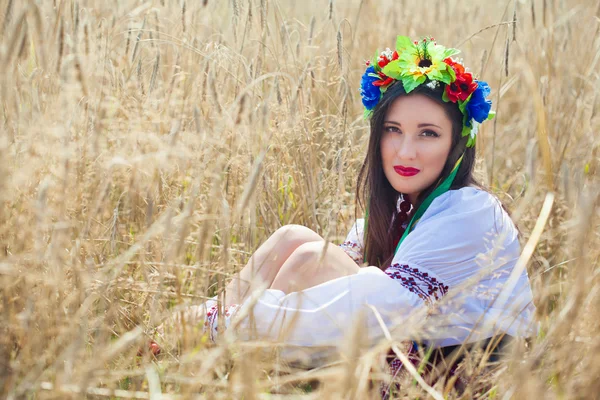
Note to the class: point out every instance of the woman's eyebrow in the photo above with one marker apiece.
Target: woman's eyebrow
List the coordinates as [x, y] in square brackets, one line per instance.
[424, 125]
[418, 126]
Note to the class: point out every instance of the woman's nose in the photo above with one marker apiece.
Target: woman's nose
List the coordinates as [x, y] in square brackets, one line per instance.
[407, 149]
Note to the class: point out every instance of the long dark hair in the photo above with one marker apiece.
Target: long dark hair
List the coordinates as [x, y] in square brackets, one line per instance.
[374, 189]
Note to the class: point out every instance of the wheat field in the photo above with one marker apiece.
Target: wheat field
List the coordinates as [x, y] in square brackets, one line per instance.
[147, 148]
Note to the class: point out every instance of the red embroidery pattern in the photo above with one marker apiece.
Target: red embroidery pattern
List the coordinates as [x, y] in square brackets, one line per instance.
[423, 284]
[212, 317]
[354, 250]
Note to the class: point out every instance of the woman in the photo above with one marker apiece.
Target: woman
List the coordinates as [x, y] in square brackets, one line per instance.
[432, 244]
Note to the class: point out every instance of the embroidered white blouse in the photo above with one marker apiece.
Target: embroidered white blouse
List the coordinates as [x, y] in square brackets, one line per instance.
[442, 287]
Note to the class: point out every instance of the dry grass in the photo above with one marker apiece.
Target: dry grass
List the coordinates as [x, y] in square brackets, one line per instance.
[148, 147]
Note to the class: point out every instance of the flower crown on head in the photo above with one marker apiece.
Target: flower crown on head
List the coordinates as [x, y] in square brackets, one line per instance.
[426, 62]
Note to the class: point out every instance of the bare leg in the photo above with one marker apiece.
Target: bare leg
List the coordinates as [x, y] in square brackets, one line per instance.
[265, 263]
[305, 269]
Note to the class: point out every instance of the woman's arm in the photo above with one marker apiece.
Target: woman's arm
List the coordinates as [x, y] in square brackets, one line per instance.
[323, 315]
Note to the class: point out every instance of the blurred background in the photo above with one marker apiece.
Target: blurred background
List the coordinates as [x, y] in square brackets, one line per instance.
[147, 148]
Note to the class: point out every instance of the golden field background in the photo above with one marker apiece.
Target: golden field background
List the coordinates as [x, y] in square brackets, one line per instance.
[147, 148]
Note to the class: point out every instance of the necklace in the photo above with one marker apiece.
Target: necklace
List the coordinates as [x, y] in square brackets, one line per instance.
[405, 207]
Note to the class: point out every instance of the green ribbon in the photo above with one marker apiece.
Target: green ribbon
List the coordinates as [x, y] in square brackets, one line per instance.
[440, 189]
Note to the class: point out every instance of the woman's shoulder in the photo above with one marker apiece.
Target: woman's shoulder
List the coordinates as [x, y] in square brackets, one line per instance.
[355, 235]
[473, 206]
[466, 198]
[465, 195]
[358, 224]
[458, 227]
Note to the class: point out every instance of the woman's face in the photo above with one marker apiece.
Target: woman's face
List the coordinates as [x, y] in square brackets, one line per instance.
[416, 140]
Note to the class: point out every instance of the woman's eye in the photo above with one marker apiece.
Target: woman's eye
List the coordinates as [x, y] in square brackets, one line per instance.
[430, 134]
[391, 129]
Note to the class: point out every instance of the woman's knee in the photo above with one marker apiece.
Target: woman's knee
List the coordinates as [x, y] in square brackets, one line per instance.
[318, 254]
[309, 250]
[298, 267]
[312, 264]
[293, 236]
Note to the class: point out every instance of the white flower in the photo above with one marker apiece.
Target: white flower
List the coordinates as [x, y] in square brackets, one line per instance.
[387, 53]
[432, 84]
[475, 128]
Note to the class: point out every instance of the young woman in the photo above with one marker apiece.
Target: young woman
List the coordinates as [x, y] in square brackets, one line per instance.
[433, 243]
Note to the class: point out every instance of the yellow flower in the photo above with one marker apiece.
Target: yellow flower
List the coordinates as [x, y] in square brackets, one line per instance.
[418, 61]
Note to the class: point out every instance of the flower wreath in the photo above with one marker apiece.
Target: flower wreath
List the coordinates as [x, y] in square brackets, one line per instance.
[426, 62]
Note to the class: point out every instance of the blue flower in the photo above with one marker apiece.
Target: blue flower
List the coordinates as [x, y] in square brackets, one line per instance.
[370, 93]
[478, 107]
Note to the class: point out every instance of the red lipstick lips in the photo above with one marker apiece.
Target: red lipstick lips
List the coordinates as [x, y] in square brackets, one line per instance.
[406, 171]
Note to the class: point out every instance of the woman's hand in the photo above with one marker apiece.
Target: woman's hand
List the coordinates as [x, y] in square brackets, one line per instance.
[181, 329]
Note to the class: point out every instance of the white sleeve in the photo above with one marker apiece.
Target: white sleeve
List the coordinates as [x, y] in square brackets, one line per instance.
[353, 245]
[464, 249]
[321, 315]
[316, 320]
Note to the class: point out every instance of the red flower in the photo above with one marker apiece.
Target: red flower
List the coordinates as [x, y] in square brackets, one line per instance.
[451, 62]
[152, 346]
[383, 61]
[463, 86]
[385, 80]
